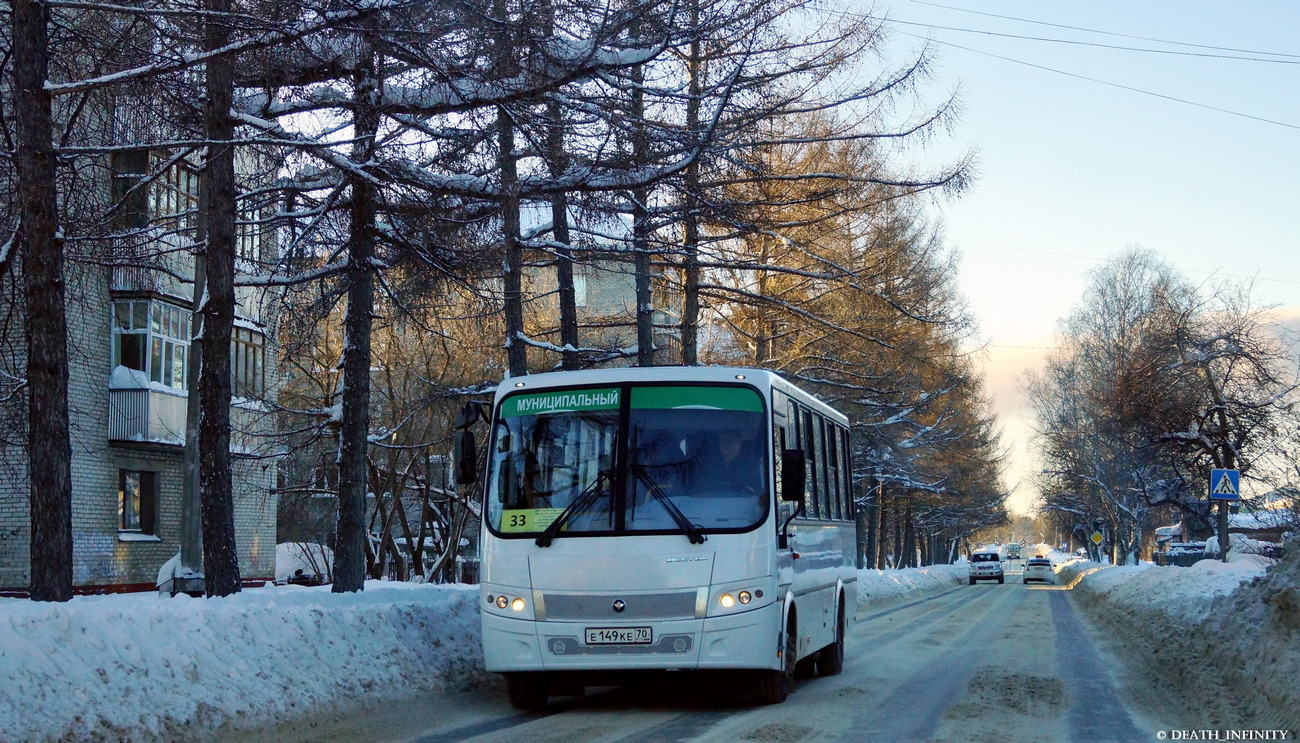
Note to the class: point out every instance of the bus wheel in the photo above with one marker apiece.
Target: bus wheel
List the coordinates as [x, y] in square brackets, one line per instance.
[830, 659]
[772, 687]
[527, 690]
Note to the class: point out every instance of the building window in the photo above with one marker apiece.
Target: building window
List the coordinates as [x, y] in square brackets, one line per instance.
[579, 290]
[154, 188]
[137, 498]
[248, 363]
[151, 338]
[248, 236]
[175, 196]
[130, 193]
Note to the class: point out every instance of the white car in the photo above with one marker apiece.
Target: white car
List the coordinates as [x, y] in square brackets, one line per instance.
[1039, 568]
[986, 565]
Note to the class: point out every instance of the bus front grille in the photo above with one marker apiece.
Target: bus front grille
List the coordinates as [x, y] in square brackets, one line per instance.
[620, 606]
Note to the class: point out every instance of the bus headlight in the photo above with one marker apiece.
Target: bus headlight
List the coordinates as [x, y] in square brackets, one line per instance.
[504, 601]
[739, 596]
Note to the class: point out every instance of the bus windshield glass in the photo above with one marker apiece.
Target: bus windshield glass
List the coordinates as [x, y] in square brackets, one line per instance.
[624, 460]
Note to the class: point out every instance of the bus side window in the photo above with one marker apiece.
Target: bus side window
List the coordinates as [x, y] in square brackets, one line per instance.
[812, 499]
[833, 472]
[823, 489]
[780, 442]
[846, 475]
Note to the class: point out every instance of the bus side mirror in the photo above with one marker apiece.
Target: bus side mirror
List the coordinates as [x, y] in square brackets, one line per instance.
[793, 472]
[465, 456]
[464, 453]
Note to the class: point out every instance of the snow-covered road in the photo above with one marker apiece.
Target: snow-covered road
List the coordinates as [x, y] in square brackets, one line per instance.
[968, 663]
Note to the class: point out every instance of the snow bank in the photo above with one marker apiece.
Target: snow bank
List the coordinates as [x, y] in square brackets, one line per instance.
[143, 668]
[1258, 648]
[882, 586]
[1211, 625]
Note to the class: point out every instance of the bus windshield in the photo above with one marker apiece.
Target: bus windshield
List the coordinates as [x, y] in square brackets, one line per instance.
[623, 460]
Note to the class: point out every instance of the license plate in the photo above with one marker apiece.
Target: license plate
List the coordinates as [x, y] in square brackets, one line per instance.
[619, 636]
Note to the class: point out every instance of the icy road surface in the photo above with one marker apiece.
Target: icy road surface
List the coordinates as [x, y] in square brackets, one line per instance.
[977, 663]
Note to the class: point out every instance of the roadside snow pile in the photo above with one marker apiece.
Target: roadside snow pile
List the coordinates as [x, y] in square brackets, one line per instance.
[144, 668]
[1258, 641]
[882, 586]
[1181, 596]
[139, 667]
[1237, 621]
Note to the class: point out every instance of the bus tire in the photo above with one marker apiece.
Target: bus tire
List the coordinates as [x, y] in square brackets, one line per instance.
[528, 691]
[772, 687]
[830, 659]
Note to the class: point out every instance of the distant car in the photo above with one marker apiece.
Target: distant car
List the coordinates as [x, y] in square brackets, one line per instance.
[986, 565]
[1039, 568]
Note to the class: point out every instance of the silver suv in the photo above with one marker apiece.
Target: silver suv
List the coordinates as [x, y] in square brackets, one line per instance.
[986, 565]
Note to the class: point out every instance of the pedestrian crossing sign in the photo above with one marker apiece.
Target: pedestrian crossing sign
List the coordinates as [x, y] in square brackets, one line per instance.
[1225, 484]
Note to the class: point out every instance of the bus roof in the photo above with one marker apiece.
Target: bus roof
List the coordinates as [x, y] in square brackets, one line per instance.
[761, 378]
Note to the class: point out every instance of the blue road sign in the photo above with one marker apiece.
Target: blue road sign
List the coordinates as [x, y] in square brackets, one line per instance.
[1225, 484]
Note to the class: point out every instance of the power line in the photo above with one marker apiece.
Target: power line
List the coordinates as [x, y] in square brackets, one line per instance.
[1103, 260]
[1099, 81]
[1106, 33]
[1092, 44]
[1045, 68]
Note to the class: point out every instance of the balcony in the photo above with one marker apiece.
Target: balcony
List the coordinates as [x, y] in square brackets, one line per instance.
[156, 414]
[146, 414]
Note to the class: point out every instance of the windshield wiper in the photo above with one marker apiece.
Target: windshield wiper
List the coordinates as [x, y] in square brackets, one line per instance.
[584, 499]
[691, 530]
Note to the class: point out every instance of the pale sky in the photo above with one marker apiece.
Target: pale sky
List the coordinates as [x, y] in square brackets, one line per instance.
[1073, 171]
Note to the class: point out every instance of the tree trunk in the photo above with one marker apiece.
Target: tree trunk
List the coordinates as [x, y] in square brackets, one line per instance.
[898, 541]
[909, 537]
[350, 554]
[761, 352]
[691, 224]
[559, 163]
[569, 358]
[883, 522]
[216, 501]
[873, 524]
[645, 338]
[49, 449]
[507, 163]
[862, 522]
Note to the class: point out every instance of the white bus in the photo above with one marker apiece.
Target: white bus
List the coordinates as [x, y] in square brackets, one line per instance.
[674, 518]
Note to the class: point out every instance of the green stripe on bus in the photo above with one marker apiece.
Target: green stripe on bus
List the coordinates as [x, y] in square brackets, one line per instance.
[717, 398]
[560, 402]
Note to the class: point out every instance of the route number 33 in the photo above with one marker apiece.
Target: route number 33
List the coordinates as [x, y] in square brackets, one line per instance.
[528, 519]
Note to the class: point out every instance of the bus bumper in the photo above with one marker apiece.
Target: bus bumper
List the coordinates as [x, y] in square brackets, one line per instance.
[742, 640]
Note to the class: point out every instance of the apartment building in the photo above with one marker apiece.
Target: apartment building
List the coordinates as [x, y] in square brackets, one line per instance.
[129, 341]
